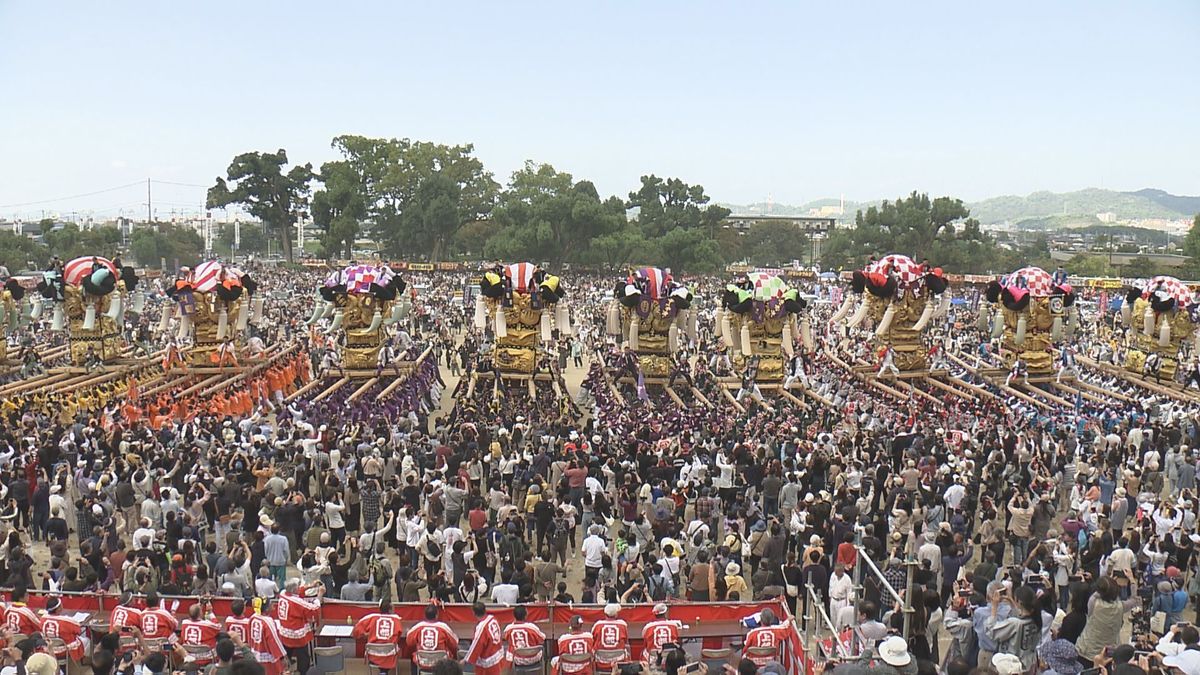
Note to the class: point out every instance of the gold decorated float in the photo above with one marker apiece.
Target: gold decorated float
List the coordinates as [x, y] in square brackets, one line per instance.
[89, 296]
[1031, 314]
[517, 301]
[363, 301]
[214, 304]
[652, 313]
[757, 320]
[1159, 316]
[11, 294]
[899, 297]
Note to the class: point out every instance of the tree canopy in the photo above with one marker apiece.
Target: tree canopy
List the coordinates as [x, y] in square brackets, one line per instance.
[391, 175]
[256, 181]
[547, 215]
[940, 229]
[340, 208]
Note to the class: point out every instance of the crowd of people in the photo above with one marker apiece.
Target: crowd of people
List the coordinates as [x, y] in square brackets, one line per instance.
[1037, 533]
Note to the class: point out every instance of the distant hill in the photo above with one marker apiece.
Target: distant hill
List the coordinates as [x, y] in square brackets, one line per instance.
[1185, 205]
[1040, 210]
[1089, 202]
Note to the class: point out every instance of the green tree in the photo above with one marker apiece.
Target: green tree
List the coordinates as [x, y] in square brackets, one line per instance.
[732, 243]
[914, 225]
[1140, 267]
[151, 245]
[70, 241]
[251, 239]
[664, 205]
[390, 172]
[339, 208]
[616, 250]
[431, 218]
[940, 230]
[689, 249]
[771, 243]
[18, 252]
[1191, 248]
[473, 237]
[257, 182]
[547, 215]
[1091, 266]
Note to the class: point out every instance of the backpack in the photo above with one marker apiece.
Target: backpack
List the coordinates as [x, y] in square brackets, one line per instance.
[433, 548]
[559, 537]
[512, 549]
[379, 574]
[655, 588]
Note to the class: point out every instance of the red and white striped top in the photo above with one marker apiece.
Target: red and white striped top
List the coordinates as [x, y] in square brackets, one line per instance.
[521, 276]
[77, 269]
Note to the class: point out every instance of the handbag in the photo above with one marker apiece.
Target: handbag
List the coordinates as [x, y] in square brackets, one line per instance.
[1158, 623]
[793, 590]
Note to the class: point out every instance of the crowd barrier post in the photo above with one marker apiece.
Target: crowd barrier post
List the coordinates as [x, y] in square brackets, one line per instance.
[910, 564]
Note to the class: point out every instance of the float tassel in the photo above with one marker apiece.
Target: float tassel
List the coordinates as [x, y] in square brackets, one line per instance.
[843, 309]
[501, 322]
[885, 324]
[806, 336]
[562, 318]
[89, 317]
[859, 315]
[338, 317]
[243, 315]
[480, 312]
[926, 315]
[997, 323]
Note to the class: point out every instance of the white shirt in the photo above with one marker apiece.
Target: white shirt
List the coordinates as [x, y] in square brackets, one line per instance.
[594, 549]
[505, 594]
[138, 534]
[954, 495]
[265, 588]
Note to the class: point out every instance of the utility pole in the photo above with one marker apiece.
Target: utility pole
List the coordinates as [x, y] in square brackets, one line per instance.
[149, 210]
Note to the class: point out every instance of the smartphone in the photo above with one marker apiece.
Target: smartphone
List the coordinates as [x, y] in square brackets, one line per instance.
[691, 668]
[632, 668]
[1091, 671]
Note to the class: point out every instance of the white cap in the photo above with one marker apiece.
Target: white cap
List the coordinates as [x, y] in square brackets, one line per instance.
[1007, 664]
[1187, 660]
[894, 652]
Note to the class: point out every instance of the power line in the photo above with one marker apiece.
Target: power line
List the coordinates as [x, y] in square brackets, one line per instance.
[170, 182]
[78, 196]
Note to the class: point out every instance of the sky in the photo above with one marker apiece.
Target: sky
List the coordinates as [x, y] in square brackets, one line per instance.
[791, 101]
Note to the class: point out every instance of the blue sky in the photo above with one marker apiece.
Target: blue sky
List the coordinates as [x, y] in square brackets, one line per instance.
[788, 99]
